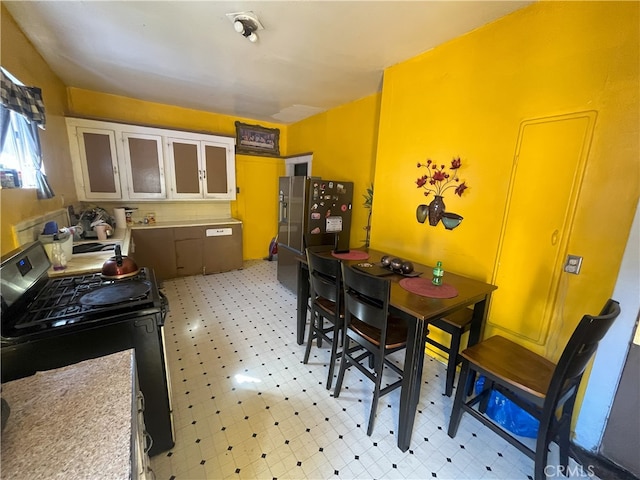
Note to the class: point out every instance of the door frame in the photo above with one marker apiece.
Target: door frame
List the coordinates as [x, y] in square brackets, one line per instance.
[291, 162]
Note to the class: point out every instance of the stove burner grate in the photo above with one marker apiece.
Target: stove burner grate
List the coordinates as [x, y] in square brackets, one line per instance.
[115, 294]
[67, 300]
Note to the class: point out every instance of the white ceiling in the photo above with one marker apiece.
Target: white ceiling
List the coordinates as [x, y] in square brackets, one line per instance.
[310, 57]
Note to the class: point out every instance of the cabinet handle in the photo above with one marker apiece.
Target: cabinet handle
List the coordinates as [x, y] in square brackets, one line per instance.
[115, 170]
[204, 174]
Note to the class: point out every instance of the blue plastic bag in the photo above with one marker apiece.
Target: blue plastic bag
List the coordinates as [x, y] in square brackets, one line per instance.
[508, 415]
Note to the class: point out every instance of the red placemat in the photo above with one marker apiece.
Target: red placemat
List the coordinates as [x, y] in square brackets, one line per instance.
[424, 287]
[351, 255]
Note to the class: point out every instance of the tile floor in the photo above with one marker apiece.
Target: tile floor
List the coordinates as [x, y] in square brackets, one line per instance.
[245, 406]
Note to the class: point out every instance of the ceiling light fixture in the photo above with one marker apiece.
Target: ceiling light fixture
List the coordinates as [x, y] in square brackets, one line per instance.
[246, 24]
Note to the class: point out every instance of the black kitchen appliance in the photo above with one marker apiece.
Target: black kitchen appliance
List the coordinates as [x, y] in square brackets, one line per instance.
[312, 212]
[49, 323]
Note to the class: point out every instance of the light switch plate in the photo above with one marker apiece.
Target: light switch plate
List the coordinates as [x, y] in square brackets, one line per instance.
[573, 264]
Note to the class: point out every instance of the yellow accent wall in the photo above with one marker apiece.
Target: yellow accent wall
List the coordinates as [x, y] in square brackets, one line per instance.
[257, 202]
[23, 61]
[103, 106]
[343, 141]
[468, 98]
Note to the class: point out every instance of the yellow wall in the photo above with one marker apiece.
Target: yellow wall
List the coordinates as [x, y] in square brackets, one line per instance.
[343, 141]
[468, 98]
[91, 104]
[257, 203]
[25, 63]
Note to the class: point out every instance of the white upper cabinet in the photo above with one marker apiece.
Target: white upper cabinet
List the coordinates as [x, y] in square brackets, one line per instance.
[96, 173]
[144, 163]
[118, 161]
[185, 161]
[202, 168]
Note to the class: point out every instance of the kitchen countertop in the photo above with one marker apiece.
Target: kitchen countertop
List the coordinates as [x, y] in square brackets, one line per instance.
[92, 262]
[71, 422]
[187, 223]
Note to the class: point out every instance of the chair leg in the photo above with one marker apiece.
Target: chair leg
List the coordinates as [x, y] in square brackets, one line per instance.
[452, 363]
[343, 366]
[542, 446]
[376, 391]
[320, 329]
[486, 395]
[563, 443]
[312, 330]
[456, 411]
[334, 355]
[471, 382]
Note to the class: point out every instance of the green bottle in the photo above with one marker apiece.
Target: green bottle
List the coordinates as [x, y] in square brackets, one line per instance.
[437, 274]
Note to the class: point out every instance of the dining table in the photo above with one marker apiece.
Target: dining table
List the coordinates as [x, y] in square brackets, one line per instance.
[417, 310]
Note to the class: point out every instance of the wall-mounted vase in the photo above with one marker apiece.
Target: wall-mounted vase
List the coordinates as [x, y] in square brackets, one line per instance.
[422, 212]
[436, 209]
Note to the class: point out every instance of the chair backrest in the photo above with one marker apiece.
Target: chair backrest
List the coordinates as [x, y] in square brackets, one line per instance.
[325, 277]
[579, 350]
[366, 298]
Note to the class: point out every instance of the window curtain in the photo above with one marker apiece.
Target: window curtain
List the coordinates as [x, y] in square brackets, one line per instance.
[26, 101]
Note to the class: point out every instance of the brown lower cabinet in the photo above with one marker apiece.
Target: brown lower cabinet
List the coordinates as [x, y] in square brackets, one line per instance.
[189, 246]
[222, 249]
[183, 251]
[155, 248]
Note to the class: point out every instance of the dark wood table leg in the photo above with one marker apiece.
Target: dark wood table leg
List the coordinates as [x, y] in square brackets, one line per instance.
[303, 301]
[477, 321]
[411, 381]
[475, 335]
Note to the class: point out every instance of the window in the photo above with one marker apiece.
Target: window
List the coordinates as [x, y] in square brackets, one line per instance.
[22, 114]
[17, 156]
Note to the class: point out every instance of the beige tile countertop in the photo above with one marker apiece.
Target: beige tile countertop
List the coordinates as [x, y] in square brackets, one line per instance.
[71, 422]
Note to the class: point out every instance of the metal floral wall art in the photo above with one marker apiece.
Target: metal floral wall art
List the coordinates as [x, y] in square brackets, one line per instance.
[437, 180]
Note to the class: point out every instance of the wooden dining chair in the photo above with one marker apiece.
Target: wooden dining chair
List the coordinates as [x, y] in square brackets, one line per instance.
[374, 332]
[325, 285]
[455, 324]
[545, 390]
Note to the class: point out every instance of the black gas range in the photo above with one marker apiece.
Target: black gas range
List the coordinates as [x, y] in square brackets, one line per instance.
[53, 322]
[80, 301]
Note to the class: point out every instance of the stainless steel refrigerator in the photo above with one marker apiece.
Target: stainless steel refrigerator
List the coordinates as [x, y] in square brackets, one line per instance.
[312, 211]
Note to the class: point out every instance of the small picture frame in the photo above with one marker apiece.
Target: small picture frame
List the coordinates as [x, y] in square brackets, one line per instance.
[257, 140]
